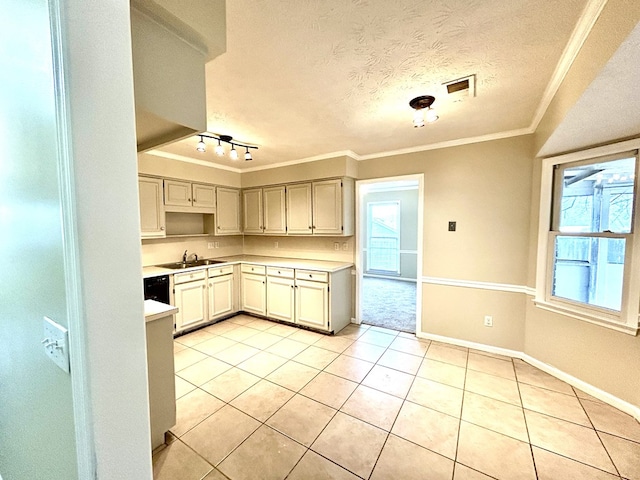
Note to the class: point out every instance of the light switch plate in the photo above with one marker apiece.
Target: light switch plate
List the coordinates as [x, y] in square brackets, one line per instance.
[56, 343]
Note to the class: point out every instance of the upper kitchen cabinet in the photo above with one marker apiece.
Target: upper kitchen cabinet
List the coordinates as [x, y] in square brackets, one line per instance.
[299, 209]
[252, 215]
[264, 211]
[152, 217]
[171, 42]
[321, 208]
[228, 211]
[189, 197]
[274, 210]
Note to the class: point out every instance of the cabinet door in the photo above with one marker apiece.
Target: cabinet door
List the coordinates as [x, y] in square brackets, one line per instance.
[253, 293]
[227, 211]
[299, 220]
[252, 211]
[177, 193]
[204, 196]
[327, 207]
[275, 218]
[191, 299]
[312, 304]
[220, 296]
[280, 296]
[152, 219]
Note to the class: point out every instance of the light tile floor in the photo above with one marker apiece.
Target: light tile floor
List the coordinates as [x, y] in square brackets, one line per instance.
[260, 400]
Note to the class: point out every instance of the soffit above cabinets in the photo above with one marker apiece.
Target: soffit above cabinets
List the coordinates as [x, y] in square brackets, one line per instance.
[302, 78]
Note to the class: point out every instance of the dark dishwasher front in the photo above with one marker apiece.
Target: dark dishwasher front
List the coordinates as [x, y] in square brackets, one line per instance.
[157, 288]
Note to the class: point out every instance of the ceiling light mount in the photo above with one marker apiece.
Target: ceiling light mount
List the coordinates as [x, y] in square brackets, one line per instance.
[219, 149]
[423, 110]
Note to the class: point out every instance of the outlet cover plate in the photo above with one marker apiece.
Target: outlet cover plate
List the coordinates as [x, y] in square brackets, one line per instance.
[56, 343]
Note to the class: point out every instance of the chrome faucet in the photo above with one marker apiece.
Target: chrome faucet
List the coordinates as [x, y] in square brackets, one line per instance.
[185, 257]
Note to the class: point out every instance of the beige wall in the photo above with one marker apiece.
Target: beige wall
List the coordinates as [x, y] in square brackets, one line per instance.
[322, 248]
[599, 356]
[149, 164]
[486, 189]
[166, 250]
[458, 312]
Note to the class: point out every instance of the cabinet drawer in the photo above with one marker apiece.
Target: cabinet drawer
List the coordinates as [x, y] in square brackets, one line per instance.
[189, 276]
[218, 271]
[280, 272]
[312, 276]
[257, 269]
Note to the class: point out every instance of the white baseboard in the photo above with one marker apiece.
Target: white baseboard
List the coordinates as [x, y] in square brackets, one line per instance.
[605, 397]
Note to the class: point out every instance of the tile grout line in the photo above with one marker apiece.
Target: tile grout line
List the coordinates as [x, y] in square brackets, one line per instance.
[464, 391]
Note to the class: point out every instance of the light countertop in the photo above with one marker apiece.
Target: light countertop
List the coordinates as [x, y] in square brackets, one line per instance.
[299, 263]
[155, 310]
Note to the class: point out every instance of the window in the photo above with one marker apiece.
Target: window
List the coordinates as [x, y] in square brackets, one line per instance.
[383, 242]
[587, 245]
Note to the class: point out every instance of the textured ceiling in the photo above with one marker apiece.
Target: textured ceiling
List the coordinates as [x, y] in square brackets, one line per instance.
[306, 78]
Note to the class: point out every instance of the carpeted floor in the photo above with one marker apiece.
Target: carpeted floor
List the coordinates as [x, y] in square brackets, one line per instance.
[389, 303]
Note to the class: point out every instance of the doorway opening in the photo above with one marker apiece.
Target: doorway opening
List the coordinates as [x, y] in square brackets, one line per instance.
[389, 246]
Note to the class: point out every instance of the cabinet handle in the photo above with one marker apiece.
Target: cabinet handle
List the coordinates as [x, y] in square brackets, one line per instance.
[162, 227]
[310, 227]
[188, 199]
[194, 200]
[310, 276]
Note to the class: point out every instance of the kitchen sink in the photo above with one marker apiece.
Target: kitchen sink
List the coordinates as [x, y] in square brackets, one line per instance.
[195, 263]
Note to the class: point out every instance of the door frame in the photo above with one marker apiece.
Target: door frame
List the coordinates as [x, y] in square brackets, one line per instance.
[361, 241]
[83, 420]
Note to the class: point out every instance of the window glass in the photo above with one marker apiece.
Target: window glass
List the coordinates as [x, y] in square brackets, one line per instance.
[597, 197]
[589, 270]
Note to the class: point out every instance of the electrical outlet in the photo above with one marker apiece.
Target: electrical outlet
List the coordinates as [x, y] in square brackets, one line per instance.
[488, 321]
[452, 226]
[210, 245]
[336, 246]
[345, 246]
[275, 244]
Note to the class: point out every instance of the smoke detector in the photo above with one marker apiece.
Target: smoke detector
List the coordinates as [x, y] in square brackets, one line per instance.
[462, 88]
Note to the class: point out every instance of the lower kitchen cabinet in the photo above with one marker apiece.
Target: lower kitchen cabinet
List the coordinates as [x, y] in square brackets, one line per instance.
[320, 300]
[221, 292]
[254, 289]
[280, 294]
[312, 304]
[190, 293]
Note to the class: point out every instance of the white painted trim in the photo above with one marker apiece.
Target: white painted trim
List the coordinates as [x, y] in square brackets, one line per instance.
[450, 143]
[389, 277]
[596, 392]
[586, 317]
[476, 346]
[579, 35]
[182, 158]
[81, 398]
[501, 287]
[605, 397]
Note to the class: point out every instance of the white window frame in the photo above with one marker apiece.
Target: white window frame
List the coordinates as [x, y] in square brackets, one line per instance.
[627, 320]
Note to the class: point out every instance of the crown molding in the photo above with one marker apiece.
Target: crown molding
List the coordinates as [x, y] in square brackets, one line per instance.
[448, 144]
[579, 35]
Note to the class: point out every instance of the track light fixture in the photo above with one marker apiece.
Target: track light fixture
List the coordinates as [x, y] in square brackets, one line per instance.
[201, 146]
[423, 111]
[219, 149]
